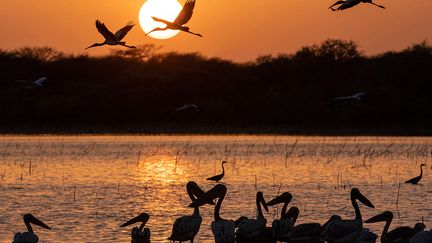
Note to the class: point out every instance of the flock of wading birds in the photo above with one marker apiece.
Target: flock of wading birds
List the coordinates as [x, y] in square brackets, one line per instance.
[284, 229]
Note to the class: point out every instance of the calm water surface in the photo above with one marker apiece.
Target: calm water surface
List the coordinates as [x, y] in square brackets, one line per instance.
[84, 187]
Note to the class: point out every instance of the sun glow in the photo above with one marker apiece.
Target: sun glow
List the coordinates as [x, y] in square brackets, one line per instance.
[164, 9]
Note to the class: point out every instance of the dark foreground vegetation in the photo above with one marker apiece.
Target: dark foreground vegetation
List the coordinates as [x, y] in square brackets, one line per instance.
[136, 91]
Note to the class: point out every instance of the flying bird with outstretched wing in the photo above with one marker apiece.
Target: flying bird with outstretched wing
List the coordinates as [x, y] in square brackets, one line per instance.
[110, 38]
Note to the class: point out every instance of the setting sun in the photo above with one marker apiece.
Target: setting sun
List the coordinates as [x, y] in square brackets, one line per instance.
[165, 9]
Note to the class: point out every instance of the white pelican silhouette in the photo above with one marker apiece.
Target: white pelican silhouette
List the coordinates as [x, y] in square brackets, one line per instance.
[253, 230]
[398, 235]
[29, 236]
[183, 18]
[110, 38]
[186, 228]
[351, 3]
[223, 229]
[39, 82]
[141, 234]
[219, 177]
[347, 231]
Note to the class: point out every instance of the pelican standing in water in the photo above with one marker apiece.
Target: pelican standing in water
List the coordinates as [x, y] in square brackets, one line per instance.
[223, 229]
[183, 18]
[141, 234]
[344, 4]
[283, 227]
[347, 231]
[29, 236]
[398, 235]
[253, 230]
[186, 228]
[110, 38]
[417, 179]
[217, 178]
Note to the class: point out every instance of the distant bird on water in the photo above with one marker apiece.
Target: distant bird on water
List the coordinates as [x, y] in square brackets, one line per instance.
[188, 107]
[110, 38]
[183, 18]
[141, 234]
[217, 178]
[29, 236]
[351, 3]
[417, 179]
[39, 82]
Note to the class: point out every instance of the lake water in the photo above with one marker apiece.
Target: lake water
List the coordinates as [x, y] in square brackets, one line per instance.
[84, 187]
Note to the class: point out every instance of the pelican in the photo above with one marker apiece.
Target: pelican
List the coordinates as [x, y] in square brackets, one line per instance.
[39, 82]
[344, 4]
[417, 179]
[141, 234]
[283, 227]
[110, 38]
[398, 235]
[253, 230]
[183, 18]
[186, 228]
[223, 229]
[217, 178]
[347, 231]
[422, 237]
[352, 98]
[29, 236]
[187, 107]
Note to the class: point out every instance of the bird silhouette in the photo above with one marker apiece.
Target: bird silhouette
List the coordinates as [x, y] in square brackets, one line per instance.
[183, 18]
[110, 38]
[187, 107]
[417, 179]
[39, 82]
[358, 97]
[141, 234]
[351, 3]
[217, 178]
[29, 236]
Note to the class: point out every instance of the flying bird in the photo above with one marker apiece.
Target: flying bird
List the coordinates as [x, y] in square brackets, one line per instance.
[351, 3]
[417, 179]
[187, 107]
[29, 236]
[141, 234]
[183, 18]
[217, 178]
[110, 38]
[39, 82]
[358, 97]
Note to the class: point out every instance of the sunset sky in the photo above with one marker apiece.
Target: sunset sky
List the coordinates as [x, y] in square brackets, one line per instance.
[239, 30]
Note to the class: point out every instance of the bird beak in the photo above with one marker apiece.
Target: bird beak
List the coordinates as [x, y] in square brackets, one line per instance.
[378, 218]
[31, 219]
[94, 45]
[140, 218]
[207, 198]
[365, 201]
[280, 199]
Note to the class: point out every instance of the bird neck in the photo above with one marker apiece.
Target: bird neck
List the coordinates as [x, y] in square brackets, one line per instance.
[284, 209]
[356, 208]
[196, 211]
[141, 228]
[223, 169]
[260, 213]
[386, 227]
[217, 216]
[29, 227]
[421, 170]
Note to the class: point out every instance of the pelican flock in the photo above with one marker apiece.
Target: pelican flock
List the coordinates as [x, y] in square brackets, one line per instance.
[178, 24]
[110, 38]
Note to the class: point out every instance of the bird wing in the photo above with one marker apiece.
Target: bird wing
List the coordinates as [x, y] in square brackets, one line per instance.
[40, 81]
[121, 33]
[186, 14]
[104, 31]
[401, 233]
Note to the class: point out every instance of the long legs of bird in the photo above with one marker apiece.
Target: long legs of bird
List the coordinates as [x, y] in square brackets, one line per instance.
[337, 3]
[157, 29]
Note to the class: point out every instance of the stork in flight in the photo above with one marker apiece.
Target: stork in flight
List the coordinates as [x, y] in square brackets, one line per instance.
[110, 38]
[183, 18]
[344, 4]
[39, 82]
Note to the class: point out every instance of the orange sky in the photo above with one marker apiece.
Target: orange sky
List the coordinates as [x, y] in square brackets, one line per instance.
[239, 30]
